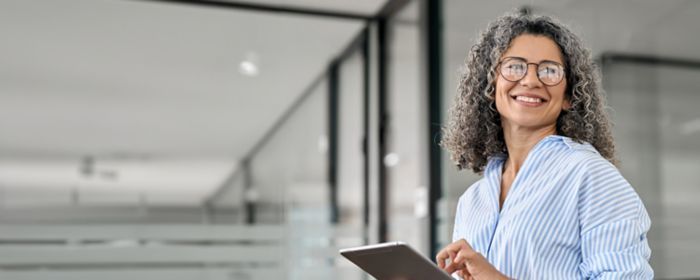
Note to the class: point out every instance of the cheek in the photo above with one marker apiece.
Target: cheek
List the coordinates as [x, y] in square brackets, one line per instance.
[502, 90]
[560, 93]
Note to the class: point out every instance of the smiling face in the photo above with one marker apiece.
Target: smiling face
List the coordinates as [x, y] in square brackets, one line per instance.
[528, 103]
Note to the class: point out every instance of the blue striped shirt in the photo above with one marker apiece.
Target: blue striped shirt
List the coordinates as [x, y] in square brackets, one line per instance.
[569, 214]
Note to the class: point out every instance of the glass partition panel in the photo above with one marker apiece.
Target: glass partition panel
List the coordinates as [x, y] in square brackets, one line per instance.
[406, 146]
[289, 182]
[658, 134]
[350, 229]
[350, 141]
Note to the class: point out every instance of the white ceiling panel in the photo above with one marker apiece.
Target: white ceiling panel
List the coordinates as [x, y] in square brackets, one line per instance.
[114, 76]
[363, 7]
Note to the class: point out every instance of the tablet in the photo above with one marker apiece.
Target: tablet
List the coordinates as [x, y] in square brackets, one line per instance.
[394, 261]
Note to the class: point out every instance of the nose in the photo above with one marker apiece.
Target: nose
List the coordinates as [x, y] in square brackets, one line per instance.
[531, 80]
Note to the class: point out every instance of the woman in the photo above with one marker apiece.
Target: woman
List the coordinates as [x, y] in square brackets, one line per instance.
[551, 205]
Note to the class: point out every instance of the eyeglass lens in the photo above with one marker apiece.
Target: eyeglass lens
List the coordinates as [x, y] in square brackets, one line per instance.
[514, 70]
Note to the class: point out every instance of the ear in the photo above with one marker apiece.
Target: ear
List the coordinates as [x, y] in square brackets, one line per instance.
[566, 105]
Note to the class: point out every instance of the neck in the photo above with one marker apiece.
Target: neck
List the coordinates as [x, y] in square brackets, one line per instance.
[519, 141]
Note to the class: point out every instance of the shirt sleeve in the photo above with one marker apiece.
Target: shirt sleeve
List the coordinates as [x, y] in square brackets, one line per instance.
[614, 226]
[456, 230]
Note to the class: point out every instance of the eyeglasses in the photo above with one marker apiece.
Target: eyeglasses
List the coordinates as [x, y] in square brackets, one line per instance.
[514, 69]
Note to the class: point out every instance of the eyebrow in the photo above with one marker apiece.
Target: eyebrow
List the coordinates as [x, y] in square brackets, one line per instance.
[544, 60]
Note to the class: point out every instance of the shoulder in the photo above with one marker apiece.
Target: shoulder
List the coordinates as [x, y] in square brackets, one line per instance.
[592, 168]
[588, 161]
[580, 156]
[473, 190]
[491, 172]
[587, 170]
[577, 149]
[484, 188]
[604, 195]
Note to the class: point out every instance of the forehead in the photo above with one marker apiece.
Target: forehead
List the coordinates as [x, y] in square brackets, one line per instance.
[534, 48]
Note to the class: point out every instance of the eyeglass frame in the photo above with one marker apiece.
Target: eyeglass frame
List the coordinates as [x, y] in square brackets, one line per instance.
[498, 69]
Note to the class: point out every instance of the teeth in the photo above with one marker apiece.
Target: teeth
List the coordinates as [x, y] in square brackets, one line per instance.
[528, 99]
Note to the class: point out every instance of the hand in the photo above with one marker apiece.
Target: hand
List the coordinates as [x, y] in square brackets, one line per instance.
[468, 263]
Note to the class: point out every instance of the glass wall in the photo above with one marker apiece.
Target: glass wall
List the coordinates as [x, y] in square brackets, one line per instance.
[289, 179]
[288, 174]
[350, 141]
[351, 229]
[150, 141]
[658, 134]
[406, 148]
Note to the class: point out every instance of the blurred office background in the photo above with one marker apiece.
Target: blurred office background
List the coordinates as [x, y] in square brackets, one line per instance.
[253, 139]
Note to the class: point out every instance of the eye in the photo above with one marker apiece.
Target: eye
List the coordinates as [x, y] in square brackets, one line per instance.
[516, 68]
[547, 71]
[550, 71]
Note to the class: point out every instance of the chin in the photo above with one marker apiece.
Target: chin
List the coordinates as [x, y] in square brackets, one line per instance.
[530, 122]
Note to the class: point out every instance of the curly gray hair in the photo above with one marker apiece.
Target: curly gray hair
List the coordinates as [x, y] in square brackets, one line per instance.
[474, 133]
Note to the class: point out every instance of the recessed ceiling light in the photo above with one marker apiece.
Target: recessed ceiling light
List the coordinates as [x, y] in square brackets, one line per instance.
[249, 65]
[248, 68]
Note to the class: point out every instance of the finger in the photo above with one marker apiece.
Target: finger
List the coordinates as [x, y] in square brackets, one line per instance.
[464, 256]
[448, 252]
[460, 256]
[440, 258]
[466, 273]
[456, 246]
[454, 266]
[459, 244]
[464, 245]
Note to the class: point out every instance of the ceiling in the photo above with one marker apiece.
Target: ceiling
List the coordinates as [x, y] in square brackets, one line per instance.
[362, 7]
[151, 91]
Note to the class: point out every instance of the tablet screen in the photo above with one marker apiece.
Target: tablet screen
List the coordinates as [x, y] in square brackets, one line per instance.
[394, 261]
